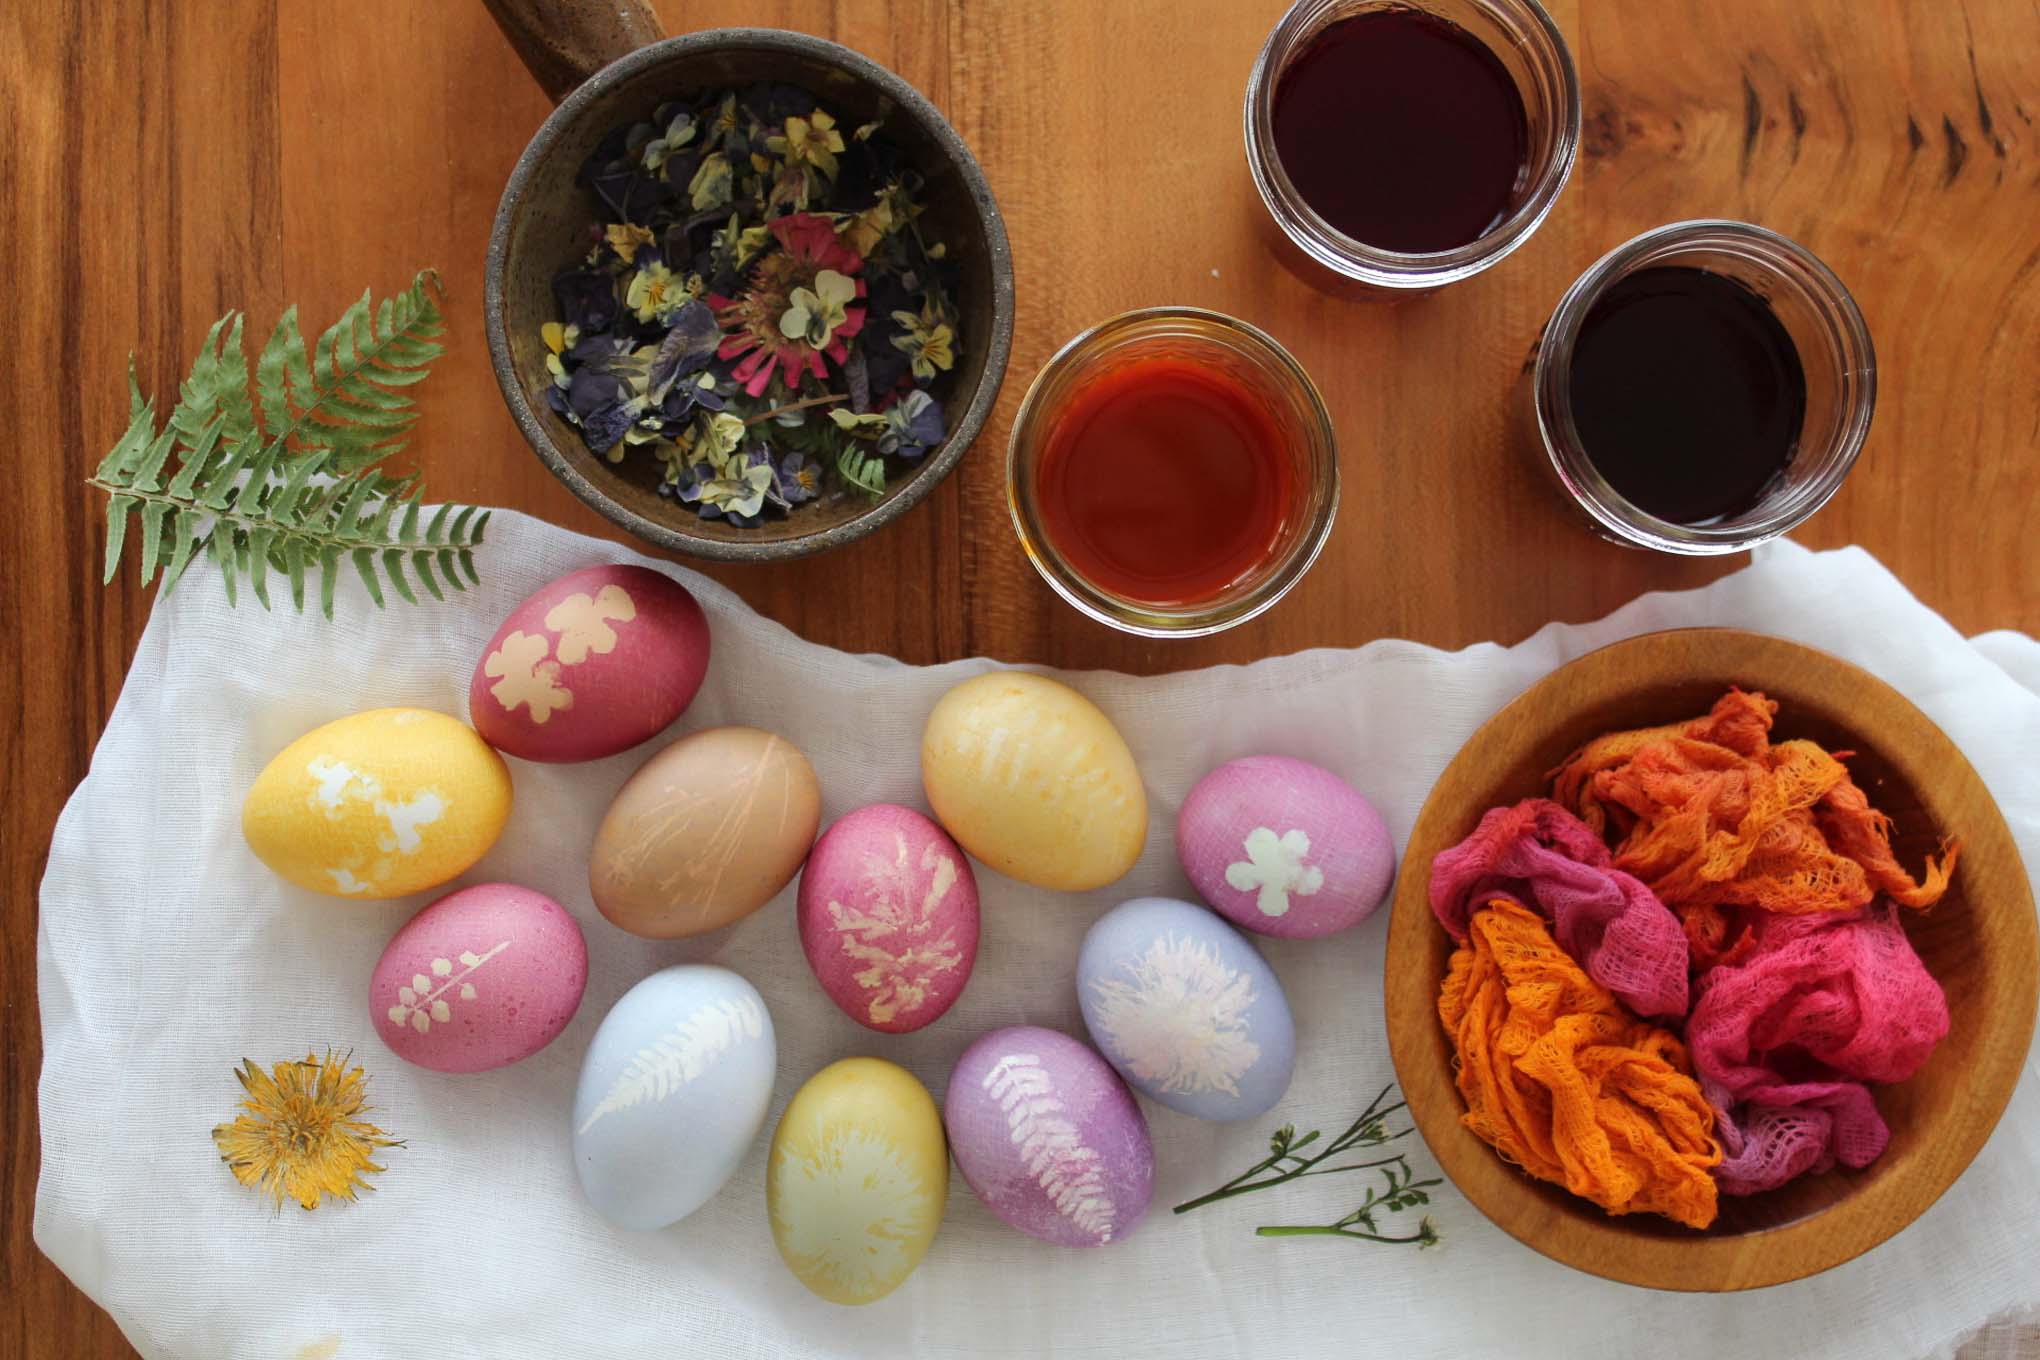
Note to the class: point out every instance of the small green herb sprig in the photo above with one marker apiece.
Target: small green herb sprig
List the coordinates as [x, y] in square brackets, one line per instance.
[1286, 1161]
[285, 479]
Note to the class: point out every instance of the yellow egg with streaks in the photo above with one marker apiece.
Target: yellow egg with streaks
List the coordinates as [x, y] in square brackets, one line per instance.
[379, 804]
[1034, 780]
[856, 1179]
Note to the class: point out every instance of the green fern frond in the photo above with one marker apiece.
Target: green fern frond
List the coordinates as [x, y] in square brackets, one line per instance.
[861, 470]
[345, 396]
[284, 481]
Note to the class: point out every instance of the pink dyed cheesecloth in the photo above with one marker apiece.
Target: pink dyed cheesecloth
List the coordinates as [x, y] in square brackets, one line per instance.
[1784, 1039]
[1541, 856]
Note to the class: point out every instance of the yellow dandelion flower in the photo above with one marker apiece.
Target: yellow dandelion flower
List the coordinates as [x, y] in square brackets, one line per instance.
[300, 1135]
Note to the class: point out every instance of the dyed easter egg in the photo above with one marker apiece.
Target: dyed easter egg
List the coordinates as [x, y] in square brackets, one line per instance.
[592, 664]
[889, 917]
[380, 804]
[856, 1180]
[482, 978]
[675, 1087]
[1049, 1137]
[1034, 780]
[1185, 1009]
[1284, 847]
[707, 831]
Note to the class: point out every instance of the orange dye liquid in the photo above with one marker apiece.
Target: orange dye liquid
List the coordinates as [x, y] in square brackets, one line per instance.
[1165, 482]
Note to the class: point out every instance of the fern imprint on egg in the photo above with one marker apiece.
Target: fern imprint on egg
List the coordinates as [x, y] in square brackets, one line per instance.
[1066, 1170]
[682, 1054]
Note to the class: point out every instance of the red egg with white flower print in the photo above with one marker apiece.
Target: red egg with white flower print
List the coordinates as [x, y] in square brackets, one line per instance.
[889, 918]
[480, 979]
[592, 664]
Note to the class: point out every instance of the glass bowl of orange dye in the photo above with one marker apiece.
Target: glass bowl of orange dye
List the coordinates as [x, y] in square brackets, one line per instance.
[1978, 941]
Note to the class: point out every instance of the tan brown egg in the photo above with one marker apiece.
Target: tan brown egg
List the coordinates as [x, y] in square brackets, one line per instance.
[705, 833]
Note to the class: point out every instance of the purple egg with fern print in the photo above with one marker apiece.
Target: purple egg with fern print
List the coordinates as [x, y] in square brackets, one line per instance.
[1049, 1138]
[1282, 847]
[480, 979]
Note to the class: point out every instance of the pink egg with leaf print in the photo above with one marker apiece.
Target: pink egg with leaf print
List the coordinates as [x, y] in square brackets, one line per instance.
[480, 979]
[590, 665]
[1283, 847]
[889, 917]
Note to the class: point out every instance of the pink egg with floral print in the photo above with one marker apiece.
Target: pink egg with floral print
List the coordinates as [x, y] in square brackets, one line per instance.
[592, 664]
[1283, 847]
[889, 917]
[1049, 1138]
[482, 978]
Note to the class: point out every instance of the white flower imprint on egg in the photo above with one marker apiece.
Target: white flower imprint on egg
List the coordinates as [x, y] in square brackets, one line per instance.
[405, 818]
[1178, 1018]
[849, 1209]
[680, 1055]
[338, 782]
[1274, 868]
[1069, 1172]
[896, 939]
[421, 1005]
[583, 623]
[524, 676]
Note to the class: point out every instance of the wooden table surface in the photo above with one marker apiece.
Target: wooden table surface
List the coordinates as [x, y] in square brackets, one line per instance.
[164, 162]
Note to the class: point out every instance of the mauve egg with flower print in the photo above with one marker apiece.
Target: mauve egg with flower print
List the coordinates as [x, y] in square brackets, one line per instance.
[482, 978]
[589, 665]
[889, 917]
[1049, 1138]
[1283, 847]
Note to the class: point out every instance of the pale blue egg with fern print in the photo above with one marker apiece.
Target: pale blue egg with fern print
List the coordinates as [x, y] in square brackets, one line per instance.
[673, 1093]
[1185, 1008]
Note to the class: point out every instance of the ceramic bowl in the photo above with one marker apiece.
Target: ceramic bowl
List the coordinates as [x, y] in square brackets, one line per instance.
[541, 229]
[1980, 942]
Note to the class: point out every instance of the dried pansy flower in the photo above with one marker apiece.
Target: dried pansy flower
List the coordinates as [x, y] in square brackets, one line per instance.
[625, 237]
[300, 1135]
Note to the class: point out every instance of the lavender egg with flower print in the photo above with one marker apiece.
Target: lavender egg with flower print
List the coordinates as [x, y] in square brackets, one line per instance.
[1185, 1009]
[1283, 847]
[1049, 1138]
[589, 665]
[480, 979]
[889, 918]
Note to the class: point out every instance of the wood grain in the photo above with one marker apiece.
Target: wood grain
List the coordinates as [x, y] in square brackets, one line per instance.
[1980, 942]
[165, 161]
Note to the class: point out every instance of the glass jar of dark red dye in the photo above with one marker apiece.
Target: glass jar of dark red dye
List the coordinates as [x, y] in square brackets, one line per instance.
[1402, 145]
[1172, 472]
[1702, 388]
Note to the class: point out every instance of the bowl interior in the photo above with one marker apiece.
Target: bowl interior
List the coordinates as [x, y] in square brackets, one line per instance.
[543, 228]
[1979, 942]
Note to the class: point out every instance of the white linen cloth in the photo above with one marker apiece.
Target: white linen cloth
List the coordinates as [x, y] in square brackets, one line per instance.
[167, 953]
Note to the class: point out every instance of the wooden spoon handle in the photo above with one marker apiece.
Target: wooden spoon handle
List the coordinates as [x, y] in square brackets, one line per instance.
[563, 42]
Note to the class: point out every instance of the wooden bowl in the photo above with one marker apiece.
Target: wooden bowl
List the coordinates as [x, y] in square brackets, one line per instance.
[1980, 942]
[541, 229]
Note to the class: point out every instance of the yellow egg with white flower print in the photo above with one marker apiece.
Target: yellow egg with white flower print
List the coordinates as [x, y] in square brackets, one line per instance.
[856, 1179]
[380, 804]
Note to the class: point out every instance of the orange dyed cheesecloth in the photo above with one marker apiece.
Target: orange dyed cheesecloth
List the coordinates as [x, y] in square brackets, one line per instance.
[1711, 814]
[1563, 1082]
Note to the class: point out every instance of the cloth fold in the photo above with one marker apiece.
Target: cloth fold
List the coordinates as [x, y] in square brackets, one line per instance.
[167, 954]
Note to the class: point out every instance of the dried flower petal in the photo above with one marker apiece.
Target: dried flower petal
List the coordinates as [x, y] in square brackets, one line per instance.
[299, 1135]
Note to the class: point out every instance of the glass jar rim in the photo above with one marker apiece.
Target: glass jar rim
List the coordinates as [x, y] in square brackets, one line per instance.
[1552, 398]
[1130, 616]
[1376, 265]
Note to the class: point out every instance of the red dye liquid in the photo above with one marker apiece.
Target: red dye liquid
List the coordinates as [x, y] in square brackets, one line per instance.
[1165, 482]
